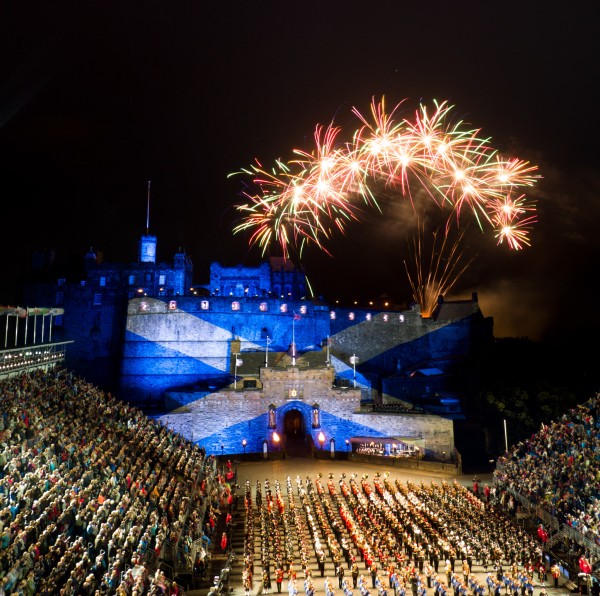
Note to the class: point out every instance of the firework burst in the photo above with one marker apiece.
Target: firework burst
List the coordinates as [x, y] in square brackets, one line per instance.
[318, 192]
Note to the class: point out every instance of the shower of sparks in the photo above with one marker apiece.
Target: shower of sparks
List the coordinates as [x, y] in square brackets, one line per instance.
[434, 271]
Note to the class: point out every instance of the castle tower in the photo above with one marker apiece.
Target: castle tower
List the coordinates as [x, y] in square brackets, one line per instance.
[147, 252]
[147, 245]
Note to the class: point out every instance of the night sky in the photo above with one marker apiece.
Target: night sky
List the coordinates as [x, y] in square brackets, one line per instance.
[97, 98]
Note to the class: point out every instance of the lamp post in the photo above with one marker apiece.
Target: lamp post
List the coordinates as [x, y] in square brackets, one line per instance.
[238, 362]
[244, 443]
[321, 438]
[443, 460]
[353, 360]
[294, 317]
[267, 352]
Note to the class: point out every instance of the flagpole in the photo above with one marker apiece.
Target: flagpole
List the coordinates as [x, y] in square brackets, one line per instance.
[327, 361]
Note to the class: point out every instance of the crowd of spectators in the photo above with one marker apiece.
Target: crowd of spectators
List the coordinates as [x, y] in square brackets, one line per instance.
[95, 497]
[558, 468]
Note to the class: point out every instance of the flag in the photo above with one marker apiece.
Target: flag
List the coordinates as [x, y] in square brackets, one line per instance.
[15, 311]
[33, 312]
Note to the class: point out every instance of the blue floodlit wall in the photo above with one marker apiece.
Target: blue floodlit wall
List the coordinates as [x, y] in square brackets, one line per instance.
[174, 343]
[186, 341]
[257, 430]
[220, 422]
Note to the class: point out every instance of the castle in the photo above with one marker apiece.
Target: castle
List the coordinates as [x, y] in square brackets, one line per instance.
[248, 359]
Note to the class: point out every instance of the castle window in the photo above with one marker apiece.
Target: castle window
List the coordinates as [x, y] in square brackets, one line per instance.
[283, 308]
[204, 304]
[82, 283]
[97, 299]
[131, 280]
[401, 318]
[235, 305]
[368, 316]
[351, 316]
[272, 417]
[316, 416]
[102, 281]
[386, 318]
[60, 297]
[161, 279]
[61, 281]
[303, 309]
[263, 307]
[143, 306]
[332, 315]
[172, 304]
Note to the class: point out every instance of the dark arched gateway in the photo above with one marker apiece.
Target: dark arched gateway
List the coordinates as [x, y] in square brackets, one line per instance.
[294, 429]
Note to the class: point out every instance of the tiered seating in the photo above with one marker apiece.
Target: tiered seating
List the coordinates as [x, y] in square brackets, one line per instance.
[94, 496]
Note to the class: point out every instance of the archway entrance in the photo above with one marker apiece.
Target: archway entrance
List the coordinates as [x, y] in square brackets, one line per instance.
[294, 428]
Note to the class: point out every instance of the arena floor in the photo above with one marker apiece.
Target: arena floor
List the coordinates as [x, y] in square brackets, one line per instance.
[292, 467]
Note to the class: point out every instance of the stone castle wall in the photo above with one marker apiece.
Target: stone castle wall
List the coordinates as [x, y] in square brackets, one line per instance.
[222, 420]
[227, 418]
[168, 348]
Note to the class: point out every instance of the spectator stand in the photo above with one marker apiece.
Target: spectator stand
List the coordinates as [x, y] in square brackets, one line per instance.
[552, 477]
[177, 556]
[106, 485]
